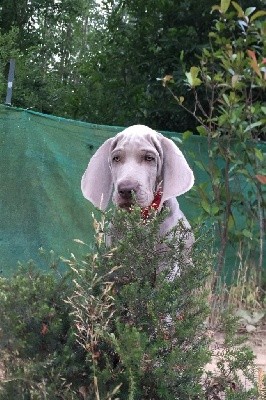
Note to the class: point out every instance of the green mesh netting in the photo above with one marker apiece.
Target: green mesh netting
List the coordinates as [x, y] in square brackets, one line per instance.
[42, 159]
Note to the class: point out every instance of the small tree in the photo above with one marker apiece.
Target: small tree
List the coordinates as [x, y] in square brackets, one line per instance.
[231, 74]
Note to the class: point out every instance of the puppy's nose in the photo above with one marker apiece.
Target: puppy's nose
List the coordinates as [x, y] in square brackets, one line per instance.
[126, 188]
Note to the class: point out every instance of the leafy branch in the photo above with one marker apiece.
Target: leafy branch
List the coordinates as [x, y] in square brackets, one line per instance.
[231, 115]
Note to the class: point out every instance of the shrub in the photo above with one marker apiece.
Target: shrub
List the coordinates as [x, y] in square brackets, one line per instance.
[111, 326]
[38, 347]
[144, 333]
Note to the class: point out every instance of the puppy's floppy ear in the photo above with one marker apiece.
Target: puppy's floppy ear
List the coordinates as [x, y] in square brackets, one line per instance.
[177, 176]
[96, 183]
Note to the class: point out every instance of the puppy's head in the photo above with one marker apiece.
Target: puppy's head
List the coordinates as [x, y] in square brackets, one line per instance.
[131, 166]
[136, 164]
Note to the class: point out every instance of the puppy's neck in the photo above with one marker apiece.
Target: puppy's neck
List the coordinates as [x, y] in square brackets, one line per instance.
[155, 204]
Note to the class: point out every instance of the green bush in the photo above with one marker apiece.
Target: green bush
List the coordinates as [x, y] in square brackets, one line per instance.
[38, 346]
[111, 326]
[144, 331]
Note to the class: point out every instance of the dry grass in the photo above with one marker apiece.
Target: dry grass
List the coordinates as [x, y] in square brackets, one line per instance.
[244, 293]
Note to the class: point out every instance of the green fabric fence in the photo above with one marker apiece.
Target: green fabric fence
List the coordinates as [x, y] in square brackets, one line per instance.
[42, 159]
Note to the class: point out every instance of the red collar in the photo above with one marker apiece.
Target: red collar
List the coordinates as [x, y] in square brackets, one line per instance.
[145, 212]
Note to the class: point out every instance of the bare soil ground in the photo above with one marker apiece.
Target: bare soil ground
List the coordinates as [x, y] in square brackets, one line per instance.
[1, 372]
[256, 341]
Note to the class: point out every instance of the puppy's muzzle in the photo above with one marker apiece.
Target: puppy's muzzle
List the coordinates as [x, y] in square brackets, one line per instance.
[127, 190]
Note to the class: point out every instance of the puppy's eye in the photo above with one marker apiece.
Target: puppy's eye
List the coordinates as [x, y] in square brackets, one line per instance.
[116, 159]
[149, 158]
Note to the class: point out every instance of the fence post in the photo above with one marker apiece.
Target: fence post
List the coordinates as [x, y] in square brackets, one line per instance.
[11, 75]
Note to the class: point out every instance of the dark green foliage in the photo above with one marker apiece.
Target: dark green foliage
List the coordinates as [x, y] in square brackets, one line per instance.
[38, 346]
[113, 327]
[100, 62]
[231, 116]
[146, 331]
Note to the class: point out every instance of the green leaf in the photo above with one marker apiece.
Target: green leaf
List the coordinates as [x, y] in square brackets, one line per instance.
[202, 190]
[240, 11]
[200, 165]
[218, 77]
[192, 77]
[235, 80]
[249, 11]
[253, 125]
[226, 99]
[176, 139]
[243, 172]
[247, 234]
[225, 5]
[231, 223]
[186, 135]
[210, 209]
[215, 210]
[259, 154]
[223, 119]
[206, 52]
[257, 15]
[181, 100]
[202, 130]
[263, 109]
[206, 206]
[216, 7]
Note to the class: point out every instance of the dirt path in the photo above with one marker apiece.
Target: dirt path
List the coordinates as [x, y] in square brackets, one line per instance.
[258, 344]
[256, 341]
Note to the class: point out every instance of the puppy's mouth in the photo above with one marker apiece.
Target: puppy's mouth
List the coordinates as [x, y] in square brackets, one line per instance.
[126, 206]
[133, 201]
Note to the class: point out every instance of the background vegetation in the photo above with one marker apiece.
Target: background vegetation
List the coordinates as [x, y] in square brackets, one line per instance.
[231, 115]
[99, 61]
